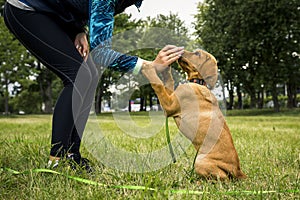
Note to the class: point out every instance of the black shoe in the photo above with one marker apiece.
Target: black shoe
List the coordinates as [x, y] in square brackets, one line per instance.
[77, 162]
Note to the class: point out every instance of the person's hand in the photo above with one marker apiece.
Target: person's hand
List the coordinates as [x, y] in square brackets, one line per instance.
[82, 45]
[167, 56]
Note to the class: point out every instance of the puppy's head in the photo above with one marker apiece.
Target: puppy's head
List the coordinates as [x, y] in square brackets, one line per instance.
[200, 64]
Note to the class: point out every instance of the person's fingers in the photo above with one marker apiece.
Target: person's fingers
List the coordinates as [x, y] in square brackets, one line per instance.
[175, 58]
[80, 50]
[170, 56]
[175, 54]
[84, 47]
[83, 50]
[175, 50]
[168, 47]
[172, 48]
[171, 52]
[167, 56]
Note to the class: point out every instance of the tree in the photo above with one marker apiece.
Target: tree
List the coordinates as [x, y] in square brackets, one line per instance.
[15, 64]
[158, 32]
[23, 79]
[123, 40]
[253, 42]
[140, 38]
[49, 87]
[2, 2]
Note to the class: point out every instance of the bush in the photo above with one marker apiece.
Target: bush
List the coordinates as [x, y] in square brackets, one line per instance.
[29, 102]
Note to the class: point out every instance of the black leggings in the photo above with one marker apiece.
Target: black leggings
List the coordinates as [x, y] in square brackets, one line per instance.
[51, 41]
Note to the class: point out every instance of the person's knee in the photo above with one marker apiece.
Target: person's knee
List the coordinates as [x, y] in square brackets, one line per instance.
[93, 70]
[95, 74]
[84, 76]
[86, 79]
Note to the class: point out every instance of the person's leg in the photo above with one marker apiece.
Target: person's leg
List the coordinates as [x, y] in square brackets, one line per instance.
[50, 43]
[85, 103]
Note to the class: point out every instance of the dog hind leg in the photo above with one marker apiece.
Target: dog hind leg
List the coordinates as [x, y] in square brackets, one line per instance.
[204, 168]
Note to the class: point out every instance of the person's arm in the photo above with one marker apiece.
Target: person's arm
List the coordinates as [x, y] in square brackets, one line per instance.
[100, 32]
[101, 29]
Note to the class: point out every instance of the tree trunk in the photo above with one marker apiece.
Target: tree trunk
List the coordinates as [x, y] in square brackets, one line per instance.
[231, 99]
[6, 97]
[6, 108]
[292, 95]
[145, 103]
[253, 100]
[275, 98]
[158, 105]
[150, 102]
[129, 105]
[240, 99]
[260, 99]
[45, 83]
[98, 101]
[142, 103]
[48, 97]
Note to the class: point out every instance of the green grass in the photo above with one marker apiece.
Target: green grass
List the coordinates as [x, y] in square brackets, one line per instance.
[268, 145]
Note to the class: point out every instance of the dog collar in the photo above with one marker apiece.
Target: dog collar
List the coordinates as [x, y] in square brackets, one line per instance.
[199, 81]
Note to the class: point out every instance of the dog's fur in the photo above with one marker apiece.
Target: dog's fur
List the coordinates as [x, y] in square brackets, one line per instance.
[197, 115]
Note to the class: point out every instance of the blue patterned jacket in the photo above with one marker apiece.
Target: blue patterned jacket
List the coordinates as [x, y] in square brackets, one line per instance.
[99, 15]
[101, 25]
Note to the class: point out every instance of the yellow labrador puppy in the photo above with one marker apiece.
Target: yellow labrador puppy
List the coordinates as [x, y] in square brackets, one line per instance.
[197, 115]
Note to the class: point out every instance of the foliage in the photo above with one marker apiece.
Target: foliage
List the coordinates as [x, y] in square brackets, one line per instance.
[253, 42]
[125, 34]
[15, 65]
[2, 2]
[143, 39]
[124, 39]
[24, 81]
[23, 101]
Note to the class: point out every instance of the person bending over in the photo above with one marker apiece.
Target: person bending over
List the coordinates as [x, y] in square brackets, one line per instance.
[55, 33]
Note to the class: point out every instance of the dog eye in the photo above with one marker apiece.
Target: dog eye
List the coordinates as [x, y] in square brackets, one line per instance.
[197, 53]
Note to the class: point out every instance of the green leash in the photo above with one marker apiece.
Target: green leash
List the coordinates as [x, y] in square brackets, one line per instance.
[169, 141]
[171, 148]
[136, 187]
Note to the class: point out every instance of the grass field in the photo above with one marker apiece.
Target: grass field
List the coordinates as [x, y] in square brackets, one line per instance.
[268, 145]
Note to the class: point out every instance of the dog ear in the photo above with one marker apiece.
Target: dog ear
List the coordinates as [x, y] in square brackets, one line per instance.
[209, 69]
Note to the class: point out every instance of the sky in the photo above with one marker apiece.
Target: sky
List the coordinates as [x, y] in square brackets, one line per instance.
[184, 8]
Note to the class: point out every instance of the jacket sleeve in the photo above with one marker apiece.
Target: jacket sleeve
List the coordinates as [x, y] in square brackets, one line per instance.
[101, 28]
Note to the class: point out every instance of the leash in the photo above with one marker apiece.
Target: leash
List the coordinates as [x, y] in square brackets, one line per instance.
[171, 148]
[169, 141]
[193, 166]
[137, 187]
